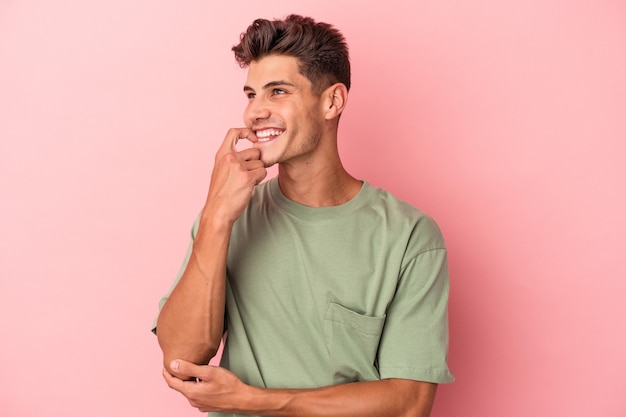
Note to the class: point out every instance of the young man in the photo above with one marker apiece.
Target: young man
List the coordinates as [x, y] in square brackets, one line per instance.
[331, 294]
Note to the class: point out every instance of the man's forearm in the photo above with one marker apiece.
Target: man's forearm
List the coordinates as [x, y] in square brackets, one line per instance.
[389, 397]
[191, 323]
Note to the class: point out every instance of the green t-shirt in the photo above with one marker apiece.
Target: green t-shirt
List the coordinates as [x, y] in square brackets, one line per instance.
[322, 296]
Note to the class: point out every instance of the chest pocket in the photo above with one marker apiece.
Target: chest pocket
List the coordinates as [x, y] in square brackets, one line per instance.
[352, 341]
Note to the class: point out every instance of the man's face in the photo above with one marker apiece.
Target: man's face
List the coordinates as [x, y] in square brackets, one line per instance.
[282, 110]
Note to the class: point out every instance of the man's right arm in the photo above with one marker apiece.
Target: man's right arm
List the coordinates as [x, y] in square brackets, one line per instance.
[191, 323]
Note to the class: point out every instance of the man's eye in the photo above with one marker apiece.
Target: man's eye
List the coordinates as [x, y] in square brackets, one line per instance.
[251, 95]
[279, 91]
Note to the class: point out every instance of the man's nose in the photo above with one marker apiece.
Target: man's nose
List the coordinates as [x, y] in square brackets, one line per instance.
[257, 109]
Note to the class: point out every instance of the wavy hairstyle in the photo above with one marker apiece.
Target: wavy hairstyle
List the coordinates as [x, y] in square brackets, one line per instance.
[321, 50]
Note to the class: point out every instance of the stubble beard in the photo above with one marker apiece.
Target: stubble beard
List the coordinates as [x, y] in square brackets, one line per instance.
[308, 145]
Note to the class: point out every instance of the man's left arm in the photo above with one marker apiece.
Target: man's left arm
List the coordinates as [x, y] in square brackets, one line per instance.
[217, 389]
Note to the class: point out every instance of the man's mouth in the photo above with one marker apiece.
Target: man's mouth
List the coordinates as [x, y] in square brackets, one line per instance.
[266, 135]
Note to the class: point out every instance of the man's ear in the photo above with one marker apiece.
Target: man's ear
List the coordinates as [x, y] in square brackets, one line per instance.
[334, 99]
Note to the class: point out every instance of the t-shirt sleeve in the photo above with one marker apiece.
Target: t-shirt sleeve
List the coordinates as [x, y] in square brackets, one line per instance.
[414, 343]
[194, 231]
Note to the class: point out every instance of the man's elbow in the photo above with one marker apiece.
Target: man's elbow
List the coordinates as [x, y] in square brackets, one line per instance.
[197, 352]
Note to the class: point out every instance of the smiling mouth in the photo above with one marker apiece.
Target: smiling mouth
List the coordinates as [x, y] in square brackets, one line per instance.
[267, 135]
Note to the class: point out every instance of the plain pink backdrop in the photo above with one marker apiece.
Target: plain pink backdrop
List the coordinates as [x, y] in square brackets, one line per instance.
[504, 120]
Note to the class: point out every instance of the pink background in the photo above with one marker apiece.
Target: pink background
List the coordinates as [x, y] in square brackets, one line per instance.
[506, 121]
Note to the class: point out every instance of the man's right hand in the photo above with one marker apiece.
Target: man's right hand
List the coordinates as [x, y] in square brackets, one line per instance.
[235, 174]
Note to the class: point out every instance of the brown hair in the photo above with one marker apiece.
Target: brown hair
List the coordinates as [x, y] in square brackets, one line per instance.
[321, 49]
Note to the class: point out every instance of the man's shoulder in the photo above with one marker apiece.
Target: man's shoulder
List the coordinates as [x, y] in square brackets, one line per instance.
[401, 214]
[393, 204]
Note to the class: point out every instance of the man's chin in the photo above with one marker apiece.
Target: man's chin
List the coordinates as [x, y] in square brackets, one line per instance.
[268, 160]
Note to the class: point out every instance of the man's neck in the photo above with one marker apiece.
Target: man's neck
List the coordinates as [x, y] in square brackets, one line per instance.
[318, 185]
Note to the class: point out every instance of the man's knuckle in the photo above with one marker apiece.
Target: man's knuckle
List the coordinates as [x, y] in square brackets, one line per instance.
[230, 157]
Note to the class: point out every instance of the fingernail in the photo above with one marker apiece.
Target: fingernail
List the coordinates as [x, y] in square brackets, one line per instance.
[174, 365]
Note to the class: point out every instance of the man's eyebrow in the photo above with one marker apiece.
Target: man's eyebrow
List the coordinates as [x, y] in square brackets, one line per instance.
[271, 84]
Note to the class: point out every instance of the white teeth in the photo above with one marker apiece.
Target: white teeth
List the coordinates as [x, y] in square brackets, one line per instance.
[267, 133]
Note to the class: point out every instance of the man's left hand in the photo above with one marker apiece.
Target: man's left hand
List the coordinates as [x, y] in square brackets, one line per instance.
[210, 388]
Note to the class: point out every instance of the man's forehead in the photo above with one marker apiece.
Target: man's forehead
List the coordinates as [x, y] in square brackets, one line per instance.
[272, 69]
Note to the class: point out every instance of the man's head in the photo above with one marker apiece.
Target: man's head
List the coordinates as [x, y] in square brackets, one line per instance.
[320, 49]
